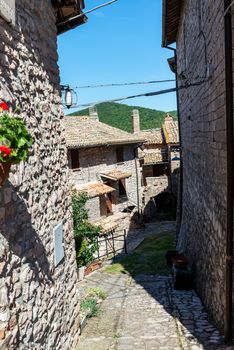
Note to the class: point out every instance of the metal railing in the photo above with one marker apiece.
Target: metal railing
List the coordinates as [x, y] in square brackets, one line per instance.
[110, 241]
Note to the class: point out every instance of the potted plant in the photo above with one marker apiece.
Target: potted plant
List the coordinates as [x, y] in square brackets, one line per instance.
[15, 141]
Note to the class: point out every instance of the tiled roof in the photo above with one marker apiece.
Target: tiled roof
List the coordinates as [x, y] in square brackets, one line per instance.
[171, 130]
[116, 174]
[110, 223]
[152, 136]
[81, 132]
[152, 158]
[94, 189]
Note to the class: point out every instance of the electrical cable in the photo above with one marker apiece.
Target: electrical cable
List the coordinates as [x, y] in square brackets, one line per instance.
[148, 94]
[124, 84]
[85, 13]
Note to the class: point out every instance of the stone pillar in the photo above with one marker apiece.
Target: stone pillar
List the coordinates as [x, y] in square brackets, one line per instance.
[135, 121]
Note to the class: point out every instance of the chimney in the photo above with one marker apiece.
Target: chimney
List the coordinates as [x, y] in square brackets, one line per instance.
[93, 114]
[135, 121]
[168, 119]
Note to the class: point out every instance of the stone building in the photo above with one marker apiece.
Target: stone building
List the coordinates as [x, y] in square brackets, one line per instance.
[203, 32]
[160, 161]
[104, 165]
[39, 301]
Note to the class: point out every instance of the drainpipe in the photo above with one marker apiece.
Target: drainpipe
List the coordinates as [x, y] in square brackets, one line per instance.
[180, 140]
[230, 164]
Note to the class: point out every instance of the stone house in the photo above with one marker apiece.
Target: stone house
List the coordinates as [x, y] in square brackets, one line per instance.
[159, 159]
[203, 33]
[104, 165]
[39, 300]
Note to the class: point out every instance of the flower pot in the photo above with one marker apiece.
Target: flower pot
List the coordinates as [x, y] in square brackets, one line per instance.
[95, 265]
[169, 255]
[180, 261]
[4, 172]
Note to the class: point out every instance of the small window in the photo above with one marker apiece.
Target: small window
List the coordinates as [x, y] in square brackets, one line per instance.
[159, 170]
[75, 162]
[120, 154]
[122, 188]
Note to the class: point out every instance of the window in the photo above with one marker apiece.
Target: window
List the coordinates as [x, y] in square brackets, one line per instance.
[122, 188]
[159, 170]
[119, 154]
[75, 162]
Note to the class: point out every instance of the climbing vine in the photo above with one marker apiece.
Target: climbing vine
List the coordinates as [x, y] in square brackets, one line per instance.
[85, 233]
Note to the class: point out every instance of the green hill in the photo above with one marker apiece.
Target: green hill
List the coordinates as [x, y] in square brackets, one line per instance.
[119, 116]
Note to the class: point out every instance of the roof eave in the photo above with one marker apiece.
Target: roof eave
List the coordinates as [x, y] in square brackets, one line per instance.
[69, 14]
[105, 144]
[167, 8]
[164, 42]
[71, 24]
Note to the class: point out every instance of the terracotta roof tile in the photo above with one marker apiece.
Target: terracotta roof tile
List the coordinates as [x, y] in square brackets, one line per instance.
[152, 158]
[94, 189]
[171, 130]
[81, 132]
[110, 223]
[152, 136]
[116, 174]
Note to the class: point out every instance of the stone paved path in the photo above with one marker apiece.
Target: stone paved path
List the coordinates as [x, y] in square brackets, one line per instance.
[145, 313]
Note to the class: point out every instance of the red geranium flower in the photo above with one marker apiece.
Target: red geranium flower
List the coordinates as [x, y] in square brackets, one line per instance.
[4, 106]
[6, 151]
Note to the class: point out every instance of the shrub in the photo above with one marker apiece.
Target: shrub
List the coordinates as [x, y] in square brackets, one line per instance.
[89, 305]
[85, 234]
[97, 292]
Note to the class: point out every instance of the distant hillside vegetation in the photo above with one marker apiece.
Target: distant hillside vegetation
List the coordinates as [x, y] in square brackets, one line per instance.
[119, 116]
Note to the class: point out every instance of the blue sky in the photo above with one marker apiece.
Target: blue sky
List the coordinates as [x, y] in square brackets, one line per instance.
[119, 43]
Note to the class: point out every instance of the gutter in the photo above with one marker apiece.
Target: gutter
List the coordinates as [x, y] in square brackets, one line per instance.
[230, 164]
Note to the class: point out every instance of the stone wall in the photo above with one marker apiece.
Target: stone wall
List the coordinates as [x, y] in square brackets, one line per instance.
[97, 160]
[38, 302]
[200, 49]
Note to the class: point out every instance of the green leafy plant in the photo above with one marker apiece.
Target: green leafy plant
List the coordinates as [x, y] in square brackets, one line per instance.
[89, 305]
[15, 140]
[97, 292]
[85, 233]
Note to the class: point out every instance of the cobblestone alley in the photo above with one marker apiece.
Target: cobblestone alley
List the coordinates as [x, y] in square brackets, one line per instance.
[146, 313]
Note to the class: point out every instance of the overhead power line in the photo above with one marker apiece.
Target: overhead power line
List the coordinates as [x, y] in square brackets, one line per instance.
[148, 94]
[124, 84]
[86, 12]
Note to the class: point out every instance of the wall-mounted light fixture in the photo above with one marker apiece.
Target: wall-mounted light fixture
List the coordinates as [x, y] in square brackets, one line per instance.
[68, 96]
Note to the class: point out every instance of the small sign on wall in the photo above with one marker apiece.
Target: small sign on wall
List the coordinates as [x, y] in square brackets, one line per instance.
[58, 244]
[7, 10]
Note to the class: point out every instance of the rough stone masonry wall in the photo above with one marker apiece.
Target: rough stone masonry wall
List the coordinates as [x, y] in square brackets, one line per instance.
[202, 108]
[38, 301]
[97, 160]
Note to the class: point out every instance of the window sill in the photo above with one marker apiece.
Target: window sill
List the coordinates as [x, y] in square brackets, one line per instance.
[75, 170]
